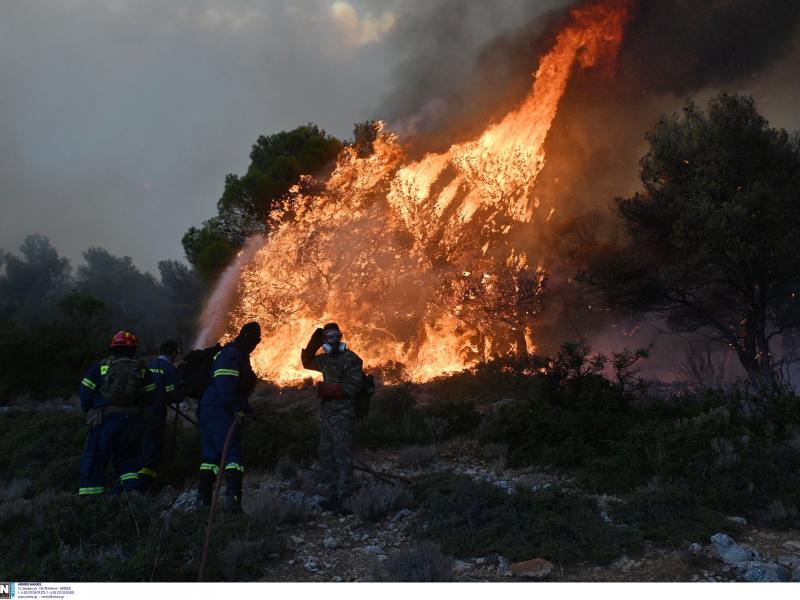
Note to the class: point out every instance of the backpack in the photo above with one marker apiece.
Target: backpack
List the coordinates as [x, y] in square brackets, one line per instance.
[194, 373]
[122, 384]
[362, 398]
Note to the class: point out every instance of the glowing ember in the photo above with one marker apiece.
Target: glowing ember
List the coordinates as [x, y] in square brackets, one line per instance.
[414, 259]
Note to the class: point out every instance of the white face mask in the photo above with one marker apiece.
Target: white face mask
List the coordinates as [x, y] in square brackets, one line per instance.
[328, 348]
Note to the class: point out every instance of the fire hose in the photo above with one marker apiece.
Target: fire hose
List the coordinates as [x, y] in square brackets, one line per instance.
[213, 506]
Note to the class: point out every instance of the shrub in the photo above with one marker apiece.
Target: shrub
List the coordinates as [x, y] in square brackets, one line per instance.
[474, 518]
[426, 564]
[375, 500]
[268, 508]
[417, 457]
[670, 514]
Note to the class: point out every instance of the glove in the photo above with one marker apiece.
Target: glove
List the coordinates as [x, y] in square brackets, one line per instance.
[330, 391]
[316, 341]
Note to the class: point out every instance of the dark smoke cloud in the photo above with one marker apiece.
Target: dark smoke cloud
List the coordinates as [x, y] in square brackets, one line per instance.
[682, 46]
[449, 88]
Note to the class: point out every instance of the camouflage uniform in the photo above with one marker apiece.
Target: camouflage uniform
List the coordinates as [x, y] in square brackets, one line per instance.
[336, 417]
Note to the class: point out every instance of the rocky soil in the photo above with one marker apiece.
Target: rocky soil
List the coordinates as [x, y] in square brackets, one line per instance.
[331, 548]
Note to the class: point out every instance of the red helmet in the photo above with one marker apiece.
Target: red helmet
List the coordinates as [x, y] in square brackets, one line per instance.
[124, 338]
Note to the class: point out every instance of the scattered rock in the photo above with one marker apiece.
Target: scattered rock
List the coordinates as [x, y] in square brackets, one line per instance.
[296, 540]
[403, 514]
[480, 561]
[792, 546]
[605, 517]
[337, 579]
[788, 561]
[796, 574]
[186, 501]
[695, 549]
[763, 572]
[739, 520]
[330, 543]
[504, 567]
[312, 564]
[728, 551]
[372, 550]
[459, 566]
[537, 568]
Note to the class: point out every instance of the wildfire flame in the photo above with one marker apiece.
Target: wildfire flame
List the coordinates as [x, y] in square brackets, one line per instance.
[415, 260]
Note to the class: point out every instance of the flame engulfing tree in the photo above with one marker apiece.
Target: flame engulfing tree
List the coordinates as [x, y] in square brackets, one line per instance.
[715, 236]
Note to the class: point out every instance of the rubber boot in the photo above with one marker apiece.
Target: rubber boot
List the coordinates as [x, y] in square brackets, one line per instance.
[233, 492]
[205, 488]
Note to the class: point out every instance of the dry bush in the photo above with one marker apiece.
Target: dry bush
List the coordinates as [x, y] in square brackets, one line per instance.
[425, 563]
[268, 508]
[16, 489]
[417, 457]
[375, 500]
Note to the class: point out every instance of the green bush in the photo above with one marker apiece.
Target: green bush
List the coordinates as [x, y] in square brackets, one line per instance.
[470, 518]
[671, 514]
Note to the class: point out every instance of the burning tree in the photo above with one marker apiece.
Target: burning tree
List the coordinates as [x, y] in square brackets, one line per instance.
[714, 237]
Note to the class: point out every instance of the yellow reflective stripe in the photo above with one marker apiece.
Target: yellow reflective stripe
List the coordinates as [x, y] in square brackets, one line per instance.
[210, 467]
[127, 476]
[170, 388]
[234, 467]
[148, 472]
[89, 383]
[90, 490]
[150, 388]
[103, 369]
[160, 371]
[216, 355]
[231, 372]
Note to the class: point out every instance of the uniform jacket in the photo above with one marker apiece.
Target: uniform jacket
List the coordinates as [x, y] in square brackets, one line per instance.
[344, 368]
[232, 381]
[165, 376]
[89, 389]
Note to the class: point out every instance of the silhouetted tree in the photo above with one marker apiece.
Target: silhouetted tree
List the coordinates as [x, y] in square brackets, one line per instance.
[714, 237]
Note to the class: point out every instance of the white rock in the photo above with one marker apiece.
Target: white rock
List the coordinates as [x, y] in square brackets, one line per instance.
[296, 540]
[330, 543]
[312, 564]
[695, 549]
[372, 550]
[728, 551]
[186, 502]
[740, 520]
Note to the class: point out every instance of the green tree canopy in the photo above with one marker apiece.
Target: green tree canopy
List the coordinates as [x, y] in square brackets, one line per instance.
[714, 236]
[276, 163]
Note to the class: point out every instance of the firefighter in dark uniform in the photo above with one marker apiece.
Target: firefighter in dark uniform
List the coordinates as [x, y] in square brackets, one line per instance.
[113, 396]
[222, 405]
[165, 376]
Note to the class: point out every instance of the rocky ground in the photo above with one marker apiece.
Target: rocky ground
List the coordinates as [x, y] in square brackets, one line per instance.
[327, 547]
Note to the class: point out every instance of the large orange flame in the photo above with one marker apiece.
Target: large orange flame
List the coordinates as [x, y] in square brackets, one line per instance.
[414, 259]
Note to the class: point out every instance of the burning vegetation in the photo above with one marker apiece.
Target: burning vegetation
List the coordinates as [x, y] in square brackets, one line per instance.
[418, 258]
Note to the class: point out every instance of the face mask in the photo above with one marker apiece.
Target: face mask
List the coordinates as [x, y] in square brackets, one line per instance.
[328, 348]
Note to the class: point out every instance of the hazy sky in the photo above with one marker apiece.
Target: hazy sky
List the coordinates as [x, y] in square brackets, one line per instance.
[119, 119]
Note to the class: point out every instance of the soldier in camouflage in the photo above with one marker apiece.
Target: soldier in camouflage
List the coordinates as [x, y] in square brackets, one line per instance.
[342, 379]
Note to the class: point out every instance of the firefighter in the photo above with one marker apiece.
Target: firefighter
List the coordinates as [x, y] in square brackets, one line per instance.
[219, 412]
[164, 375]
[113, 396]
[342, 379]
